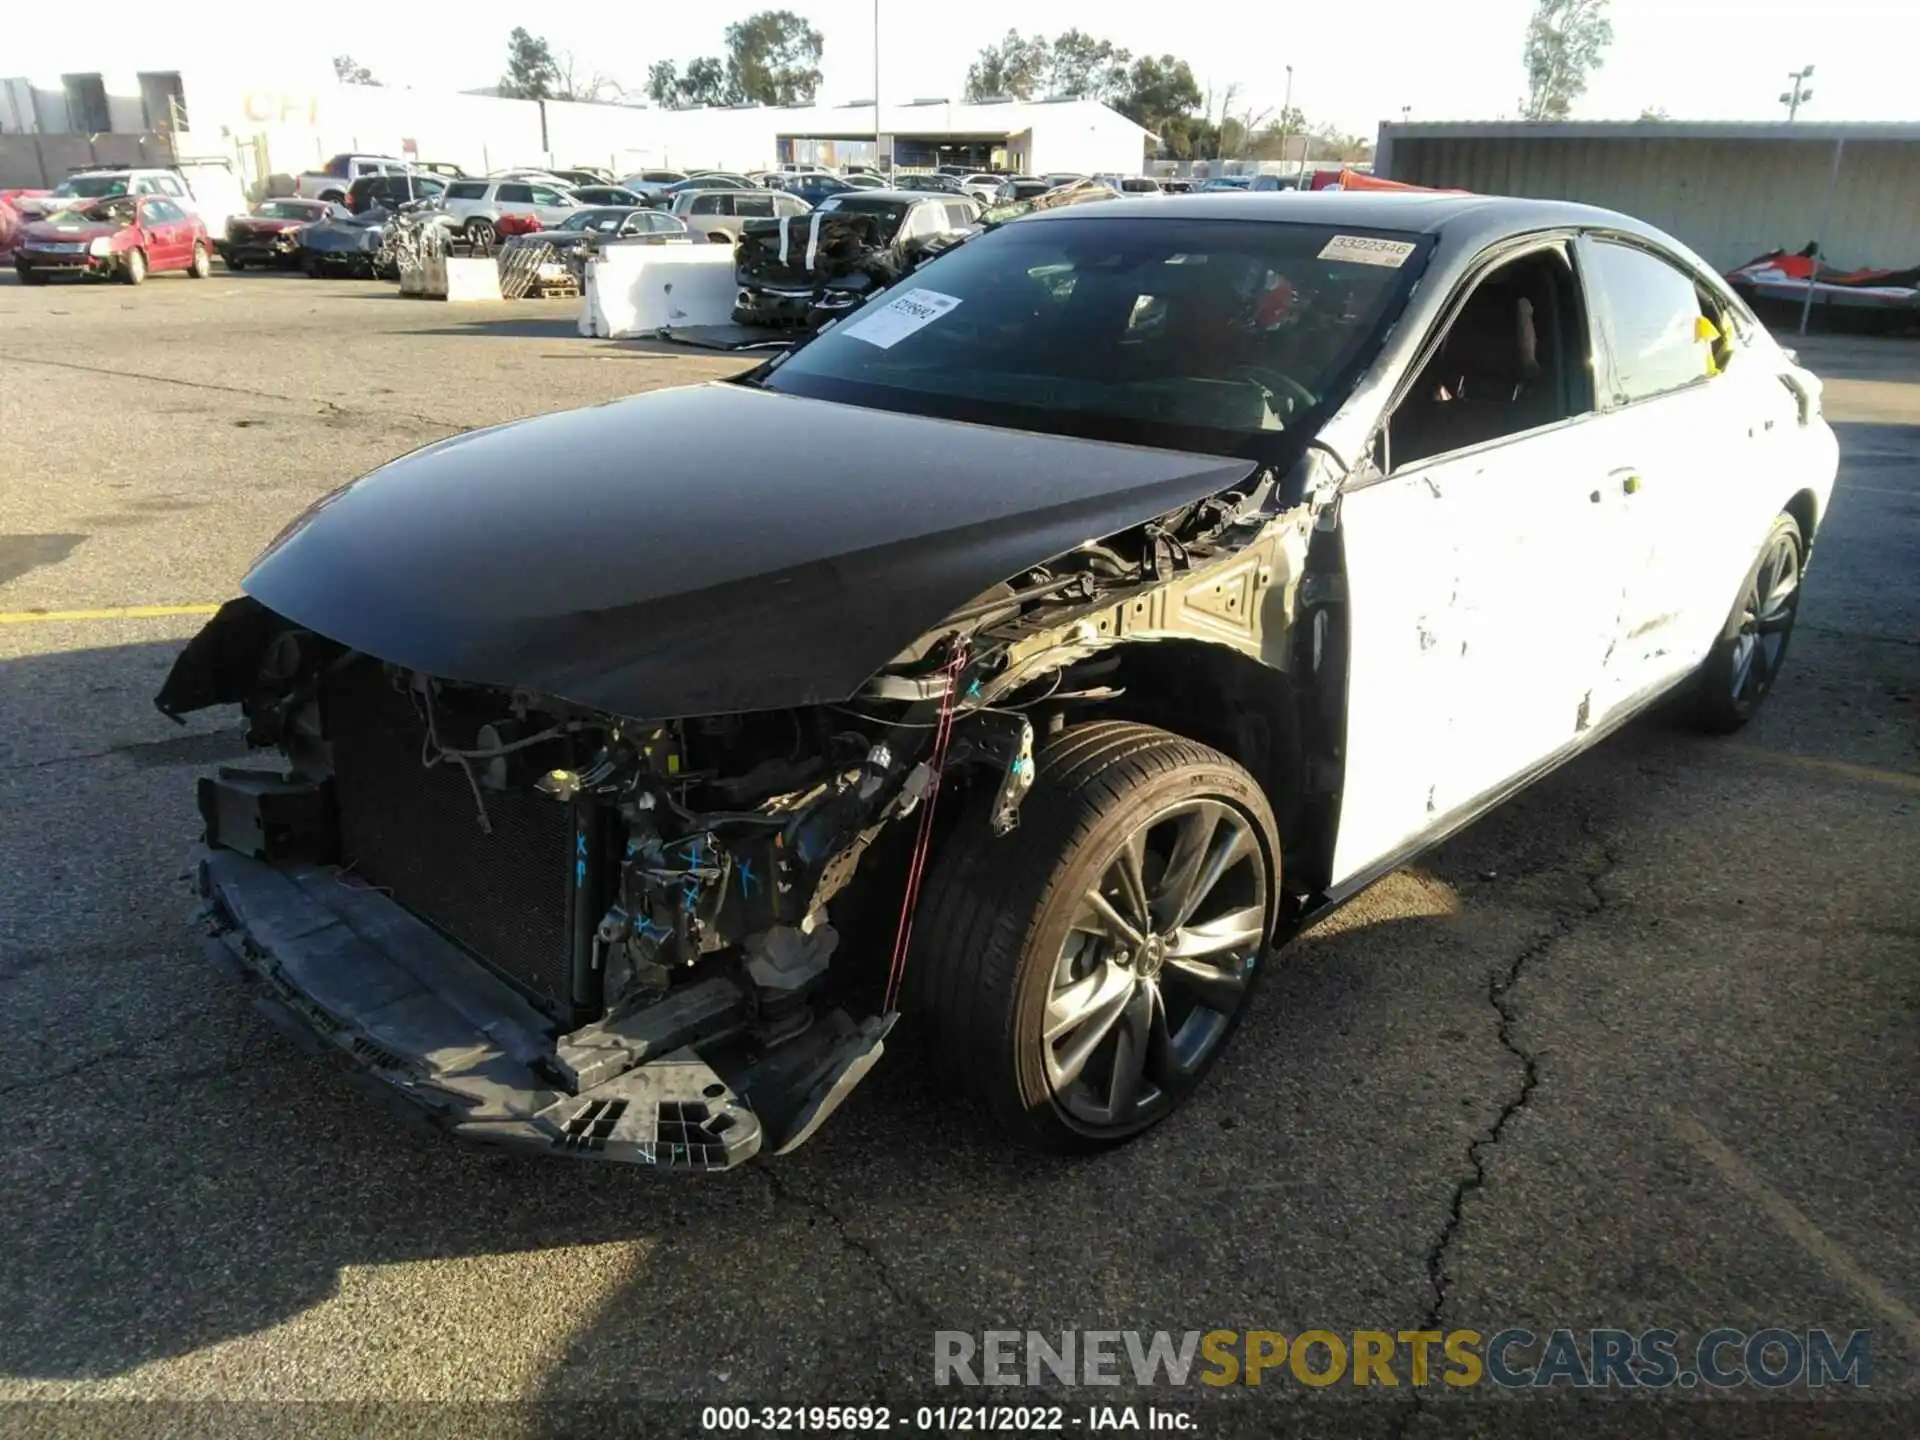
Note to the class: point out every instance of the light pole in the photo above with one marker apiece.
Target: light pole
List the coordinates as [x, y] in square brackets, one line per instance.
[1795, 97]
[1286, 118]
[876, 94]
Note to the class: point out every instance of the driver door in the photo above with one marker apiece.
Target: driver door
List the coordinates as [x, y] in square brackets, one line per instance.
[1482, 595]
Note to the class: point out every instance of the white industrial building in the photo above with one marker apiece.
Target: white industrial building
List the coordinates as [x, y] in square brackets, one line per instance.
[281, 119]
[1730, 190]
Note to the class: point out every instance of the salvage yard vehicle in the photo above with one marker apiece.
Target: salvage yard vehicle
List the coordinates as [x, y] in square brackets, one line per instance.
[1125, 588]
[719, 214]
[606, 224]
[124, 236]
[608, 195]
[332, 180]
[651, 182]
[390, 192]
[346, 245]
[478, 205]
[270, 235]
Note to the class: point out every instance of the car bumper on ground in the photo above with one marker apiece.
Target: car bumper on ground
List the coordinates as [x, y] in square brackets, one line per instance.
[349, 972]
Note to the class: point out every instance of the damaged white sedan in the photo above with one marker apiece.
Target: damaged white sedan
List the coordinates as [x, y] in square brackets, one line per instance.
[1067, 627]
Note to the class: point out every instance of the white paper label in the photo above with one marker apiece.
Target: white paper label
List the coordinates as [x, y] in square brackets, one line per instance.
[892, 322]
[1365, 250]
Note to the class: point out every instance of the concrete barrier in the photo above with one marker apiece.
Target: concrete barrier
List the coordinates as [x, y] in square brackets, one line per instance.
[637, 289]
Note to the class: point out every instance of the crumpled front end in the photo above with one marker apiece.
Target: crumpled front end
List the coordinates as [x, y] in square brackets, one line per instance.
[669, 941]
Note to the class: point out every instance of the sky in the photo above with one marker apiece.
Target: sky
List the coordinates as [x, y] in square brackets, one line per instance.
[1353, 66]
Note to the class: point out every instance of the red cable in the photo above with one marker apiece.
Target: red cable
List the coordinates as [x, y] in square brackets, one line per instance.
[936, 764]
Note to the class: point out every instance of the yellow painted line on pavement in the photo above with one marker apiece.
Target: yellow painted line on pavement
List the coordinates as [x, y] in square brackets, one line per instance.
[1793, 1222]
[1898, 779]
[111, 612]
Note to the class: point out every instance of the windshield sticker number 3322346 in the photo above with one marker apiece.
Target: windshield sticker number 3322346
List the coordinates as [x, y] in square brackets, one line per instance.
[887, 325]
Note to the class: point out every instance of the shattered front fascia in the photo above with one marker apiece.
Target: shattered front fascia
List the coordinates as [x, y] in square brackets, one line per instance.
[736, 832]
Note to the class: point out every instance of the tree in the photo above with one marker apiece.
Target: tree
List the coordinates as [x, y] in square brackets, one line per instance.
[1016, 67]
[1567, 41]
[569, 83]
[1655, 112]
[349, 71]
[663, 84]
[705, 83]
[1161, 95]
[1082, 68]
[774, 58]
[531, 72]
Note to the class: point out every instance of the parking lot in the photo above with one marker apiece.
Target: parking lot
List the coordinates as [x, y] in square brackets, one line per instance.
[1640, 1049]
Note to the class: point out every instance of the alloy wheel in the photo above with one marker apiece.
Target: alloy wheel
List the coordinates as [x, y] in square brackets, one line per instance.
[1158, 960]
[1766, 619]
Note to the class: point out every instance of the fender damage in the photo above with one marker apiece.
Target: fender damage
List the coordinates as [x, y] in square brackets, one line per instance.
[562, 838]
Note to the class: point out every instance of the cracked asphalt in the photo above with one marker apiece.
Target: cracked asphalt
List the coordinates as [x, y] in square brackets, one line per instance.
[1639, 1049]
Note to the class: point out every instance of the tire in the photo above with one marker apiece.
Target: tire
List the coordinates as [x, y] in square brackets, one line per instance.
[133, 269]
[29, 276]
[1739, 671]
[481, 232]
[1007, 934]
[200, 267]
[311, 264]
[236, 264]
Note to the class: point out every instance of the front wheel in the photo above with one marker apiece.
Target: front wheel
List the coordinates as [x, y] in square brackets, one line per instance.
[1078, 977]
[134, 268]
[201, 267]
[1745, 661]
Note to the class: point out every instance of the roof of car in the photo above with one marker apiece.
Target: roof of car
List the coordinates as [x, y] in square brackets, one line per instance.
[905, 197]
[1420, 212]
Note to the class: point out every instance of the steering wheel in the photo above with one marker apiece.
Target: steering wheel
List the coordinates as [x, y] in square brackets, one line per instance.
[1297, 396]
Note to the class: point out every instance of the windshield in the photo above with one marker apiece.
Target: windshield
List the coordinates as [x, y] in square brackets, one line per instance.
[91, 186]
[603, 222]
[887, 214]
[1194, 334]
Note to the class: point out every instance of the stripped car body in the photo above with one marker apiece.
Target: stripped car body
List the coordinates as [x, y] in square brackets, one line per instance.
[601, 790]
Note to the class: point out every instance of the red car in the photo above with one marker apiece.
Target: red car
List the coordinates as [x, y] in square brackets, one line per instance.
[269, 235]
[125, 236]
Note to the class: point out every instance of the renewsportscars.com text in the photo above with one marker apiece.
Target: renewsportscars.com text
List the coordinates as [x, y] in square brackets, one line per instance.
[1512, 1358]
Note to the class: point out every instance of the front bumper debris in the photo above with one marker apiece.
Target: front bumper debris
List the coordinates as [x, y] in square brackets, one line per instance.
[347, 971]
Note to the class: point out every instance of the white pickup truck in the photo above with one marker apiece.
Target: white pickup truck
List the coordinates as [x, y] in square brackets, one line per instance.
[207, 188]
[331, 180]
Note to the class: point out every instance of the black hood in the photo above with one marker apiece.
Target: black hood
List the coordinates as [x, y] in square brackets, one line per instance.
[700, 550]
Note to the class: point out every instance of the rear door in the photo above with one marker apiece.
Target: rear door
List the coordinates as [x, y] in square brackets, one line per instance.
[163, 225]
[1480, 610]
[551, 205]
[513, 198]
[1692, 434]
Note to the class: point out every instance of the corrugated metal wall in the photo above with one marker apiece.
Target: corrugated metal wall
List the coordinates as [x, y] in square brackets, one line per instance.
[1729, 199]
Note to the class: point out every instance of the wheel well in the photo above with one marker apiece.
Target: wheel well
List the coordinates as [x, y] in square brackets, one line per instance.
[1248, 711]
[1805, 511]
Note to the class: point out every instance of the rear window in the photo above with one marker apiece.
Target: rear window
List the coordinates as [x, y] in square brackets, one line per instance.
[1212, 335]
[467, 190]
[91, 186]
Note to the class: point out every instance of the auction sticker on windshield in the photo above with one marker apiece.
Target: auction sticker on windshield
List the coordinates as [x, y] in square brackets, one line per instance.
[1366, 250]
[900, 317]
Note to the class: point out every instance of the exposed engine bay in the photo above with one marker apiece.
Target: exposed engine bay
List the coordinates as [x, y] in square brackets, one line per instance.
[695, 926]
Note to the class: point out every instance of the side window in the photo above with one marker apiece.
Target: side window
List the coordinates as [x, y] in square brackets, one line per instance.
[707, 205]
[467, 190]
[515, 195]
[1514, 358]
[145, 186]
[169, 186]
[757, 205]
[959, 214]
[1652, 315]
[542, 195]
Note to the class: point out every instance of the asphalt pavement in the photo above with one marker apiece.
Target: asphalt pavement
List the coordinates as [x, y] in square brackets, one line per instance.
[1640, 1049]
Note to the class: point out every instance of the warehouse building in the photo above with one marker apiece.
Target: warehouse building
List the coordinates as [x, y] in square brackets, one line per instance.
[1731, 191]
[278, 120]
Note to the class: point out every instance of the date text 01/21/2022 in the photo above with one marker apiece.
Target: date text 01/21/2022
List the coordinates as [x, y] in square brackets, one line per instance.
[942, 1419]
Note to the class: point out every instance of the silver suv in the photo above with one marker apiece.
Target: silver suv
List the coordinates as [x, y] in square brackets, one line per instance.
[478, 205]
[719, 214]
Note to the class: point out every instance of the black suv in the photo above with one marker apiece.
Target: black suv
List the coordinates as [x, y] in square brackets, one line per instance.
[390, 192]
